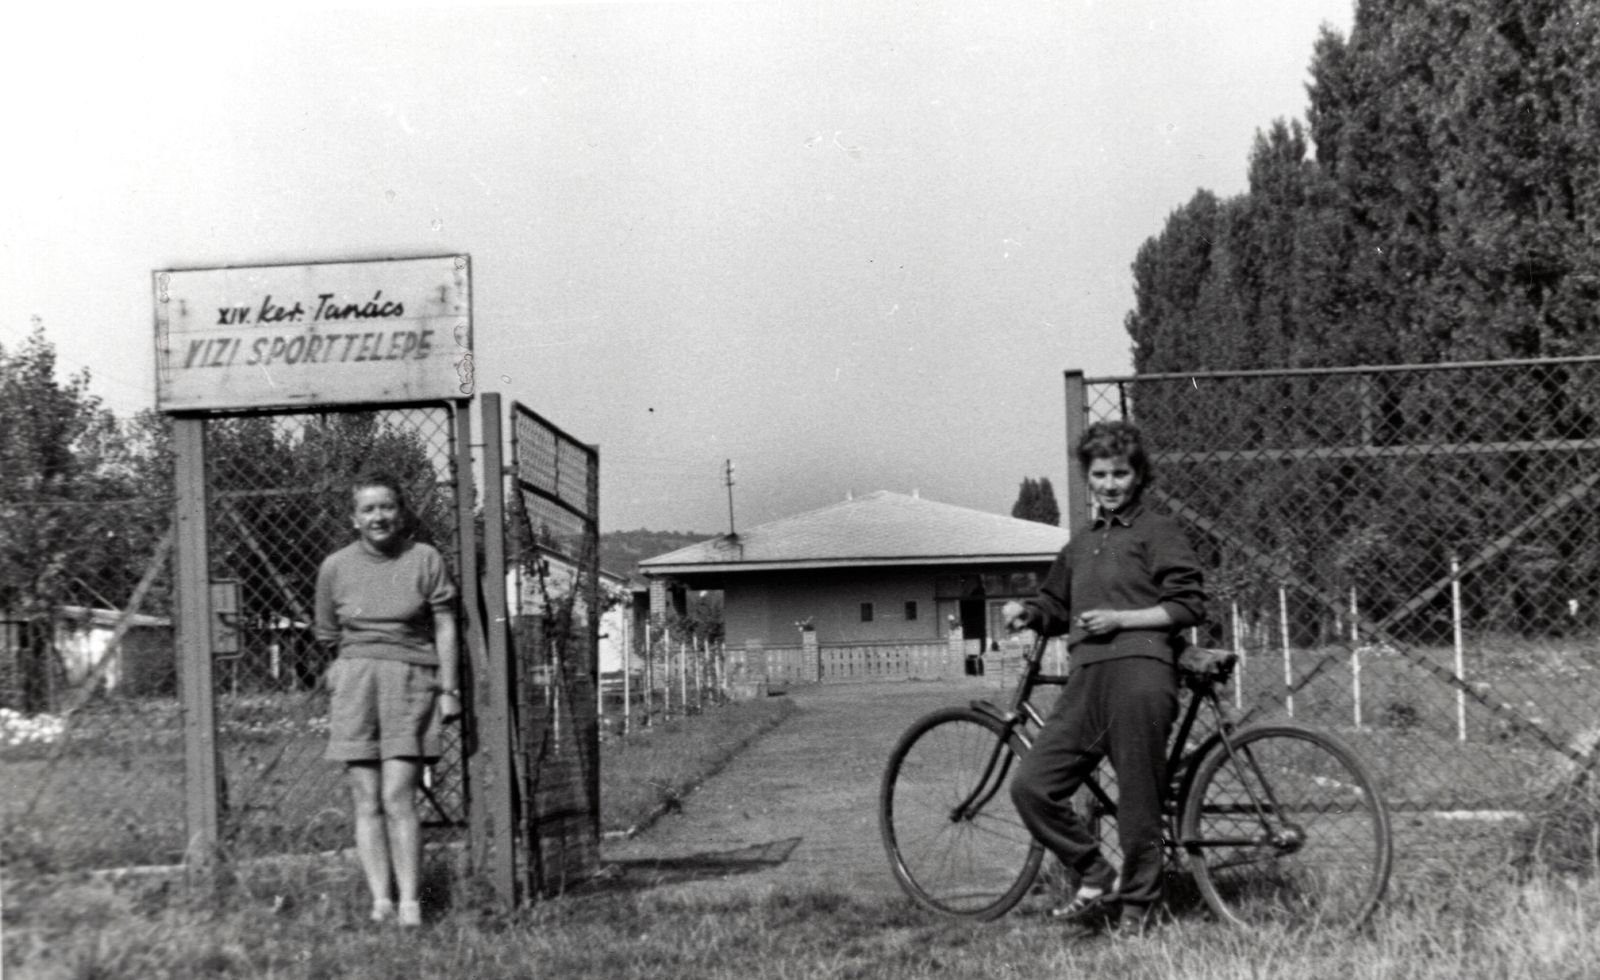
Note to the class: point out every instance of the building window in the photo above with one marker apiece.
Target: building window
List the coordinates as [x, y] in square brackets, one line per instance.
[866, 612]
[911, 610]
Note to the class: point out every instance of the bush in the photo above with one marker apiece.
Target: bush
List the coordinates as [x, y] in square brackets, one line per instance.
[1563, 835]
[1401, 715]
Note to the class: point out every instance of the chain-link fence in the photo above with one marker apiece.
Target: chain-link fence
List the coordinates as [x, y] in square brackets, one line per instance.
[279, 501]
[91, 750]
[1407, 556]
[96, 761]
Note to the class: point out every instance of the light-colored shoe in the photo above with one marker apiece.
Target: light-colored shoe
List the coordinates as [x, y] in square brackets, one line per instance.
[382, 910]
[410, 914]
[1089, 902]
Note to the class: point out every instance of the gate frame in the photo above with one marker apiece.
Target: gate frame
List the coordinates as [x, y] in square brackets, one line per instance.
[202, 765]
[590, 516]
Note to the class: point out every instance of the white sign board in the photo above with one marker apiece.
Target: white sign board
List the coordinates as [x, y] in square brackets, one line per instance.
[333, 333]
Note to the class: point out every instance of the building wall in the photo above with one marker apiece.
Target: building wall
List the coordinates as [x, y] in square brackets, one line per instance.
[768, 606]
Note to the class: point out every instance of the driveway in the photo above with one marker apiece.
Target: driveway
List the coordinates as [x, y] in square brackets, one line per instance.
[800, 807]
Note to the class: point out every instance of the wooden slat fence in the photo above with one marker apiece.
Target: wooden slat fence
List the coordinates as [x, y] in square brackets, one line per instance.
[855, 662]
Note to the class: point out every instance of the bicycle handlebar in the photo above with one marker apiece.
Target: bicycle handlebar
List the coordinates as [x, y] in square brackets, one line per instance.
[1072, 638]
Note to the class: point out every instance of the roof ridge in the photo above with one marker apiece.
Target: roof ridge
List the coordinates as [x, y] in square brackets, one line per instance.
[878, 525]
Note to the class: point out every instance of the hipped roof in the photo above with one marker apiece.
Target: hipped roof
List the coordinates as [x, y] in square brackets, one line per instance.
[880, 528]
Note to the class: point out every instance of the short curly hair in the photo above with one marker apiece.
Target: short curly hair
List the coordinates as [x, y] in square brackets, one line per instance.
[1104, 440]
[378, 478]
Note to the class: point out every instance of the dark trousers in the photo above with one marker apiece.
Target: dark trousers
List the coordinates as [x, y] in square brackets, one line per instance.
[1124, 710]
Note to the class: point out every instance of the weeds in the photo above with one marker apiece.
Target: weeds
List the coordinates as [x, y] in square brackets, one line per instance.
[645, 774]
[308, 922]
[1564, 834]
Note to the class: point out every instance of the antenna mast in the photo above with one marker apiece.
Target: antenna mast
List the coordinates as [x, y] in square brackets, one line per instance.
[728, 477]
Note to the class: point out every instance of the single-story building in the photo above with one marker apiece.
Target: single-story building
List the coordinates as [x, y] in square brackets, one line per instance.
[71, 649]
[885, 567]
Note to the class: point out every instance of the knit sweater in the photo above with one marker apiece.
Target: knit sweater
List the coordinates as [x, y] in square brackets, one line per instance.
[1131, 559]
[381, 606]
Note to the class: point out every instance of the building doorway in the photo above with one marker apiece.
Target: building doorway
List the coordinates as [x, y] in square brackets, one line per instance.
[975, 631]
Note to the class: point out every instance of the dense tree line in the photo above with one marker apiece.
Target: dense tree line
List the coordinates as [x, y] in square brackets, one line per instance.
[84, 497]
[86, 509]
[1441, 204]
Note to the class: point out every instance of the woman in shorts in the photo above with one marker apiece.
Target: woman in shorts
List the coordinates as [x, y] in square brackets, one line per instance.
[388, 603]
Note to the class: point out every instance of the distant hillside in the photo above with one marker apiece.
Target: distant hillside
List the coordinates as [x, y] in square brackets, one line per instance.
[621, 551]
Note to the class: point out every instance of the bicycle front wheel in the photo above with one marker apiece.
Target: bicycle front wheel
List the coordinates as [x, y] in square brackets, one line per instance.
[1287, 827]
[954, 839]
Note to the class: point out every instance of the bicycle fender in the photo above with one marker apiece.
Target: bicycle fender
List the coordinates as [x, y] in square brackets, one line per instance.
[994, 711]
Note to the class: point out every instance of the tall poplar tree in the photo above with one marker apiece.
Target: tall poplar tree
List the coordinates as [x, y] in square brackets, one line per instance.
[1036, 501]
[1445, 212]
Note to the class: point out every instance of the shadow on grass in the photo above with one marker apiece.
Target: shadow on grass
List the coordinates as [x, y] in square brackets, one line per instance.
[644, 873]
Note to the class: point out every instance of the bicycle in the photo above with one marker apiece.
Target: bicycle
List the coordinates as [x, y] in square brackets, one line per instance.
[1274, 821]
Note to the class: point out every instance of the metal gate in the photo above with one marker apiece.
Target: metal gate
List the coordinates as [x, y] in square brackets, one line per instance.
[553, 594]
[1408, 555]
[278, 493]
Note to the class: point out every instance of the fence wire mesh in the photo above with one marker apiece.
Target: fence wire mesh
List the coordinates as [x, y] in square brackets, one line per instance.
[1407, 557]
[279, 501]
[91, 747]
[553, 559]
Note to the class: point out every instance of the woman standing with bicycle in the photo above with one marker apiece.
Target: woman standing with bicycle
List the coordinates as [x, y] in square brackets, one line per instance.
[1129, 581]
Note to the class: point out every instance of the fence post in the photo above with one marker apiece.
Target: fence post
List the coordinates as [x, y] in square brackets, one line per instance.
[1355, 655]
[627, 666]
[1461, 660]
[683, 678]
[1288, 666]
[1238, 648]
[1079, 504]
[493, 695]
[202, 787]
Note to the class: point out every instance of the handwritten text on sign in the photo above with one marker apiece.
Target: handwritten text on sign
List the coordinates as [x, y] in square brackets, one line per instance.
[347, 333]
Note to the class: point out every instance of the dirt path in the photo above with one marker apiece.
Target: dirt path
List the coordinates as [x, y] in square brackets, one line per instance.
[798, 808]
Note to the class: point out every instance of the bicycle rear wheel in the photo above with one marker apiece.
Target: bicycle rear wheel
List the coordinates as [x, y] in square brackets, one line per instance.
[954, 839]
[1289, 827]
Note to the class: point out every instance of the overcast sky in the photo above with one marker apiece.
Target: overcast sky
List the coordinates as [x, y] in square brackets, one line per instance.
[849, 246]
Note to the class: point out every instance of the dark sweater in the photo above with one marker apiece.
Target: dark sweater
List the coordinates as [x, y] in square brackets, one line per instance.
[1132, 559]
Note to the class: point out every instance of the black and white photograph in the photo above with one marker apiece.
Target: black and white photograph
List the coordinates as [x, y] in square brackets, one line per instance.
[801, 489]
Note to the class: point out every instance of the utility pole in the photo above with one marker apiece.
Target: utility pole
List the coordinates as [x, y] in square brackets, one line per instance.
[728, 477]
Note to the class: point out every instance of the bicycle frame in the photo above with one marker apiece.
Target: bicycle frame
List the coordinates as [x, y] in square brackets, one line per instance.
[1247, 808]
[1180, 764]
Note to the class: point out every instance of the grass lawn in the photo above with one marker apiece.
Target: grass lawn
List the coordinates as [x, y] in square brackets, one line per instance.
[112, 795]
[645, 774]
[299, 924]
[305, 919]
